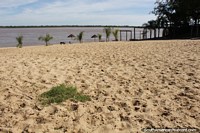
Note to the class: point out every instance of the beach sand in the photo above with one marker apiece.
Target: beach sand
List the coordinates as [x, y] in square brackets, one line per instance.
[133, 85]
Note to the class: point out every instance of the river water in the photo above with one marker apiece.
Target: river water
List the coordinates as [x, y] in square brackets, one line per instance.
[8, 35]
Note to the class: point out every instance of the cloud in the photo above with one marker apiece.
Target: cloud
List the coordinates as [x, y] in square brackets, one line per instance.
[90, 6]
[15, 3]
[83, 19]
[106, 12]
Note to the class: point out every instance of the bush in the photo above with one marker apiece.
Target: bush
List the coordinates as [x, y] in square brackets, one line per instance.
[115, 34]
[108, 31]
[20, 41]
[46, 38]
[79, 37]
[61, 93]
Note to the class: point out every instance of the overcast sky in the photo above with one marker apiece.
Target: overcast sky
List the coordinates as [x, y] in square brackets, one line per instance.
[75, 12]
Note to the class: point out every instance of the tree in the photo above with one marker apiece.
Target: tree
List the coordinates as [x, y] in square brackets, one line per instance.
[79, 37]
[46, 38]
[20, 41]
[153, 25]
[108, 31]
[177, 15]
[115, 34]
[147, 26]
[99, 37]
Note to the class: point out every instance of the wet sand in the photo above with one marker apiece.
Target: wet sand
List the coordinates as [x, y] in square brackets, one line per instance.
[133, 85]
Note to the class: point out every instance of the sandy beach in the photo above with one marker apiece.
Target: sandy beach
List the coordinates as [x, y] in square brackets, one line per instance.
[132, 85]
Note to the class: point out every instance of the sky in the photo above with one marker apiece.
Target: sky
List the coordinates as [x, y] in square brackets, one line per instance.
[75, 12]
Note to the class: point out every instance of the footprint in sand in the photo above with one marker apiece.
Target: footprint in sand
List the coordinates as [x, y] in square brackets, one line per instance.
[140, 105]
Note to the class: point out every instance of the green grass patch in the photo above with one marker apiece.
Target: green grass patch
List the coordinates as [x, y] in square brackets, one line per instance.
[61, 93]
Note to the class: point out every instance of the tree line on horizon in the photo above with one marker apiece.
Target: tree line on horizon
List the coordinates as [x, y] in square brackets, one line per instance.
[53, 26]
[177, 18]
[108, 31]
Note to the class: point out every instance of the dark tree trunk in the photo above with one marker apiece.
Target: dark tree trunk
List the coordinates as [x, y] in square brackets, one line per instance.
[197, 28]
[191, 34]
[150, 33]
[154, 33]
[158, 32]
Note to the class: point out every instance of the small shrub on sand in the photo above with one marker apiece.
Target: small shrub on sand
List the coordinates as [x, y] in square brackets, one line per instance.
[46, 38]
[108, 31]
[99, 37]
[79, 37]
[61, 93]
[115, 34]
[20, 41]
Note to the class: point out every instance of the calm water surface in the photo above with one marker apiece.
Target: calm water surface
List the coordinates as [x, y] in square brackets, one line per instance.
[8, 35]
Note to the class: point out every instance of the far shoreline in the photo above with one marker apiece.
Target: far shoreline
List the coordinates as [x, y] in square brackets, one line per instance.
[62, 26]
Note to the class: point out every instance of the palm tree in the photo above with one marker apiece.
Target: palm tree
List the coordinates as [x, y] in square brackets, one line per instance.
[108, 31]
[99, 37]
[80, 37]
[46, 38]
[115, 34]
[20, 41]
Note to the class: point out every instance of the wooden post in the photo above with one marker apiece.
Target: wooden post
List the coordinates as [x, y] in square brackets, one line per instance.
[150, 33]
[131, 35]
[134, 34]
[120, 35]
[126, 35]
[197, 28]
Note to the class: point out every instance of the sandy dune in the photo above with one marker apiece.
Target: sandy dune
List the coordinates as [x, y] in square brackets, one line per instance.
[133, 85]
